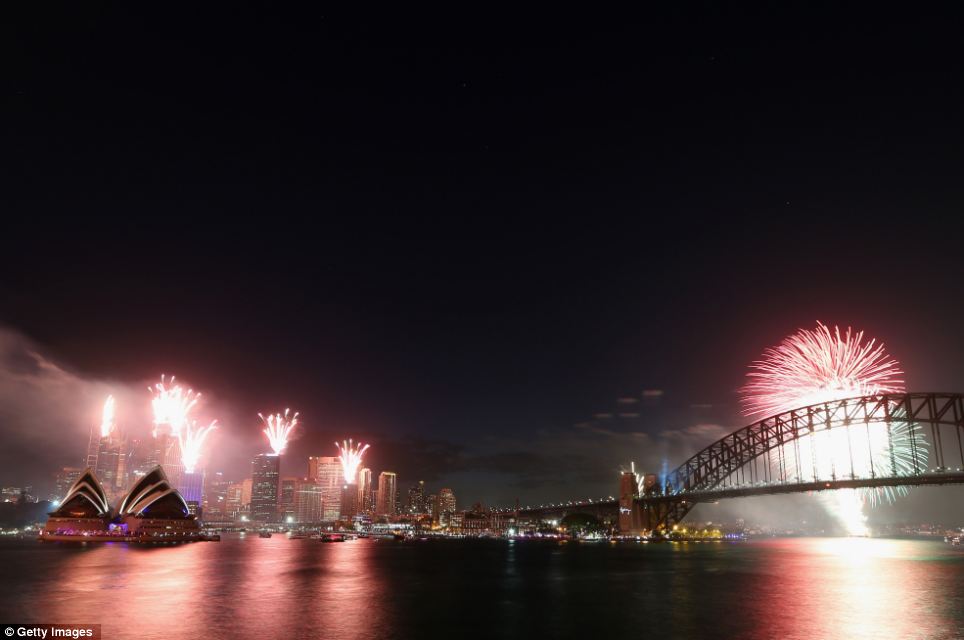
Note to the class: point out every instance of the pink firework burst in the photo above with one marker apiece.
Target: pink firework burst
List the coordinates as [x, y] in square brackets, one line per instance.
[820, 365]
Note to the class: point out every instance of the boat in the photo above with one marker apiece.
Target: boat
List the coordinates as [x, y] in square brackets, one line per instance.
[332, 537]
[264, 534]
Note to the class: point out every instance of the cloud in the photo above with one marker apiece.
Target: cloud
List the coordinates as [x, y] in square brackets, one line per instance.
[47, 411]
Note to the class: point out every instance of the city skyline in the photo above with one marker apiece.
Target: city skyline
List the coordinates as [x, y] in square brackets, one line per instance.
[512, 273]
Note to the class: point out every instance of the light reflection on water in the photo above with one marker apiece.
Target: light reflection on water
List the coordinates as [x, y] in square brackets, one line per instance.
[279, 588]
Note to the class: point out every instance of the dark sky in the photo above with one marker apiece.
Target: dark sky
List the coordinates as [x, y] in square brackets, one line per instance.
[462, 235]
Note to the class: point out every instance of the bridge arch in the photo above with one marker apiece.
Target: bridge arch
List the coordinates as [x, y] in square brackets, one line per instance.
[716, 471]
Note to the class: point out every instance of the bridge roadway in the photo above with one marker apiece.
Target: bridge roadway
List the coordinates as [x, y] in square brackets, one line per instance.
[713, 495]
[605, 509]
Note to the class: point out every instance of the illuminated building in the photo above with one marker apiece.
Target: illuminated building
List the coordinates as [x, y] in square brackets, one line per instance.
[446, 504]
[151, 509]
[416, 498]
[154, 507]
[107, 457]
[83, 509]
[214, 498]
[246, 494]
[287, 504]
[307, 501]
[326, 471]
[387, 486]
[365, 503]
[349, 501]
[233, 504]
[265, 479]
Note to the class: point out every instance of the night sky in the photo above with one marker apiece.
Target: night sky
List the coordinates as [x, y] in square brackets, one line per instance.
[465, 238]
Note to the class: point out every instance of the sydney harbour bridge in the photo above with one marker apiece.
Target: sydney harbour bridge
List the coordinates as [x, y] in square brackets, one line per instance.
[881, 443]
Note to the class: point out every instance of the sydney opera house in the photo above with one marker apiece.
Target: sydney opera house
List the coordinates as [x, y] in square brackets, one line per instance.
[151, 511]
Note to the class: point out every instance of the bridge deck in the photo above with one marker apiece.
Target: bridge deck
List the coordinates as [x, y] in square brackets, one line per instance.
[802, 487]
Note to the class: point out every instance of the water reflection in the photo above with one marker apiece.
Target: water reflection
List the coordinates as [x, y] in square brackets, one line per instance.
[853, 589]
[260, 588]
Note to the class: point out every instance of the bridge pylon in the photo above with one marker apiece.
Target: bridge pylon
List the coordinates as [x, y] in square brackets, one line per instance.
[630, 514]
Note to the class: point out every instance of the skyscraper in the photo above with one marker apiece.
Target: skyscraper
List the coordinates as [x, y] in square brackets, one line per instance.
[307, 501]
[349, 501]
[327, 473]
[387, 485]
[265, 471]
[233, 500]
[107, 458]
[289, 487]
[446, 502]
[215, 496]
[365, 503]
[416, 498]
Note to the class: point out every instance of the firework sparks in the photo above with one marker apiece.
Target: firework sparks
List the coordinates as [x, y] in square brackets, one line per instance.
[278, 429]
[821, 365]
[191, 438]
[107, 422]
[351, 453]
[171, 404]
[816, 366]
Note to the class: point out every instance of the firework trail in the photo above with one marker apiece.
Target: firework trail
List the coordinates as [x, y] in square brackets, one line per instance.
[278, 429]
[351, 453]
[171, 404]
[821, 365]
[107, 421]
[191, 439]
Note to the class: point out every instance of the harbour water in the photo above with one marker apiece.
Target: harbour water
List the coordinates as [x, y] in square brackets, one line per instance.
[246, 587]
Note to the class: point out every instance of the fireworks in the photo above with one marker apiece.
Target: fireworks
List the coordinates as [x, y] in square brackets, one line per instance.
[817, 366]
[107, 421]
[351, 454]
[278, 429]
[191, 439]
[171, 405]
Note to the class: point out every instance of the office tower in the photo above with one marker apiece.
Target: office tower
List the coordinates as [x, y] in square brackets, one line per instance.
[431, 505]
[246, 494]
[326, 471]
[308, 501]
[349, 501]
[233, 505]
[287, 504]
[416, 498]
[107, 458]
[387, 487]
[446, 502]
[265, 470]
[365, 490]
[214, 496]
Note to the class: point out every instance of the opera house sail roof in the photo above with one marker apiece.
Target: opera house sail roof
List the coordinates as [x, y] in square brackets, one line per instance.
[85, 499]
[152, 511]
[153, 497]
